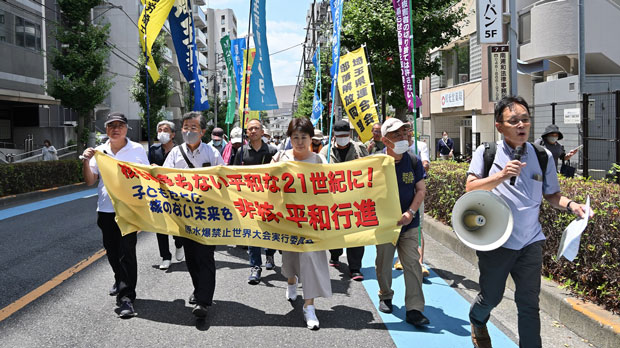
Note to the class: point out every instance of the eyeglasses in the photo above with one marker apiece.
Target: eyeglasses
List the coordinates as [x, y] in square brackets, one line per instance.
[515, 121]
[116, 125]
[191, 129]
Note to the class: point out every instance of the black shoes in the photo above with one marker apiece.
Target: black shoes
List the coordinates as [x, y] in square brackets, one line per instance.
[254, 277]
[385, 306]
[199, 311]
[357, 275]
[126, 310]
[114, 289]
[416, 318]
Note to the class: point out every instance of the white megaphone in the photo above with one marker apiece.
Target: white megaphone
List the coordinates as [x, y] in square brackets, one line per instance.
[482, 220]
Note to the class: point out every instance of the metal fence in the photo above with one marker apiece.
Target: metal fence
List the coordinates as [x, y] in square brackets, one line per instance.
[593, 122]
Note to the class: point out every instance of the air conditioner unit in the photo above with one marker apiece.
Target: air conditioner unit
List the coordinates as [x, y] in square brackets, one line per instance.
[463, 78]
[70, 123]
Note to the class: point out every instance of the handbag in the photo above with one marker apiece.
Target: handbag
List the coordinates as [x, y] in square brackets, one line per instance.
[567, 170]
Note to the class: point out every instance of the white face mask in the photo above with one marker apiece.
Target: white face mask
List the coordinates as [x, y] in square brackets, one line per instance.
[163, 137]
[552, 140]
[191, 137]
[401, 147]
[217, 142]
[342, 141]
[445, 138]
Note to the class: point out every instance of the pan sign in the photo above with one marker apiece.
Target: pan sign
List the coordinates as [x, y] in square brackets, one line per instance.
[490, 28]
[453, 99]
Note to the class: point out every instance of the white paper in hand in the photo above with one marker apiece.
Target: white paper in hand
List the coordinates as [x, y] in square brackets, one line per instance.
[569, 245]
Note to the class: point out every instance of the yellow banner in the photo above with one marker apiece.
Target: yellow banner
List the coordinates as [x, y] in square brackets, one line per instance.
[355, 89]
[150, 22]
[293, 206]
[249, 115]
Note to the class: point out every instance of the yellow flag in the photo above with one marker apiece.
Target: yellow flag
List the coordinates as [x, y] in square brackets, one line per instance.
[150, 22]
[355, 89]
[293, 206]
[249, 115]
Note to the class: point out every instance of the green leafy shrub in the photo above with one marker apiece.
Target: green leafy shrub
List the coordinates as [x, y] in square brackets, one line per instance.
[27, 177]
[595, 273]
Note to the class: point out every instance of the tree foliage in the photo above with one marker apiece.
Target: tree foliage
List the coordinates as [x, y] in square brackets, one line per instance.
[158, 92]
[373, 23]
[81, 83]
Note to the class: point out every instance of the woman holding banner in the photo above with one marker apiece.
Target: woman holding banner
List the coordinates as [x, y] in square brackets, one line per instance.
[308, 267]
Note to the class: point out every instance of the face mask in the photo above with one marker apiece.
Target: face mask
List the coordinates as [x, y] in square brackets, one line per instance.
[191, 137]
[217, 142]
[265, 140]
[343, 141]
[445, 137]
[163, 137]
[401, 147]
[552, 140]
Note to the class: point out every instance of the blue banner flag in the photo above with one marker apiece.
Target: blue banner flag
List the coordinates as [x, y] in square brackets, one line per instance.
[262, 95]
[237, 48]
[317, 104]
[184, 39]
[336, 7]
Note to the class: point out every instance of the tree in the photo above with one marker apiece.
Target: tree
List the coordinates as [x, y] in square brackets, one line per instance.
[158, 92]
[373, 22]
[81, 83]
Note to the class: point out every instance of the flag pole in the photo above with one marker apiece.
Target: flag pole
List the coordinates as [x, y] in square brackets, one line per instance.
[246, 93]
[146, 84]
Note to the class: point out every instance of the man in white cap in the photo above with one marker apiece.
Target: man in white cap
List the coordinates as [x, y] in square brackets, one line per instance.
[235, 144]
[317, 141]
[411, 192]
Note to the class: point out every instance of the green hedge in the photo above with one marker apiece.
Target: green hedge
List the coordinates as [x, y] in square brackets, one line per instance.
[31, 176]
[594, 275]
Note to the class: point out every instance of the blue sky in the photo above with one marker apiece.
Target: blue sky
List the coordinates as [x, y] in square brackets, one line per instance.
[286, 20]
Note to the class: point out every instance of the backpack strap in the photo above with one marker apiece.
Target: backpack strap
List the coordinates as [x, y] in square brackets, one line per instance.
[543, 159]
[414, 158]
[490, 148]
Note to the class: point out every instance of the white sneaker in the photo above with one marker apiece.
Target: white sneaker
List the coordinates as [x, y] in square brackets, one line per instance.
[312, 322]
[291, 292]
[164, 265]
[179, 254]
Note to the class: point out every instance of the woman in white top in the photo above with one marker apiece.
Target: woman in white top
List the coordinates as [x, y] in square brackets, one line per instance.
[309, 267]
[48, 151]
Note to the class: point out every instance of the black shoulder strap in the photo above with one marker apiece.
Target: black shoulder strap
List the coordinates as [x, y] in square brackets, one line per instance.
[189, 163]
[414, 159]
[543, 159]
[488, 156]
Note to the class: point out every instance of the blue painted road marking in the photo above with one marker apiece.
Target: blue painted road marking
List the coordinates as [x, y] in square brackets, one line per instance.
[447, 311]
[46, 203]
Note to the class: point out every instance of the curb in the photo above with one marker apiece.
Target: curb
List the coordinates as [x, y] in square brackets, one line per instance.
[599, 326]
[41, 194]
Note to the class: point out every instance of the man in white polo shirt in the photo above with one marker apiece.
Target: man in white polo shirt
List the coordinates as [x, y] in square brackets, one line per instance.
[120, 250]
[193, 153]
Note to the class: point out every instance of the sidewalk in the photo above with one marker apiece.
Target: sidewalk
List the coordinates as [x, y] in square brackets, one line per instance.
[601, 327]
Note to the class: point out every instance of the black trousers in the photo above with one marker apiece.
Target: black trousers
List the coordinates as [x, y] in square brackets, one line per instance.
[121, 253]
[200, 262]
[524, 266]
[162, 243]
[354, 257]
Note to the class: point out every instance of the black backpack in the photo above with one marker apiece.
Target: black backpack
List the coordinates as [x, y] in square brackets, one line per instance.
[491, 148]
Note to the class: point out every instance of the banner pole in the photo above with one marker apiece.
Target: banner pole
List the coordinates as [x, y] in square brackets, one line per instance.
[334, 81]
[146, 84]
[245, 81]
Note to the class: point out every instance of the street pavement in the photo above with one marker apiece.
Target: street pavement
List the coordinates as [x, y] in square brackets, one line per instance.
[55, 280]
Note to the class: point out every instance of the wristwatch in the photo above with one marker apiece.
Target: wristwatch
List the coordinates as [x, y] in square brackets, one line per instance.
[411, 211]
[568, 206]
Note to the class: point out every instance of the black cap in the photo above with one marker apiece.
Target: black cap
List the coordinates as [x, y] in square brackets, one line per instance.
[342, 126]
[115, 116]
[217, 133]
[553, 129]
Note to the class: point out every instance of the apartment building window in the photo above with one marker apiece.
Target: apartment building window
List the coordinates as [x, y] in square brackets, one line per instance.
[223, 19]
[5, 28]
[525, 28]
[223, 30]
[456, 66]
[27, 34]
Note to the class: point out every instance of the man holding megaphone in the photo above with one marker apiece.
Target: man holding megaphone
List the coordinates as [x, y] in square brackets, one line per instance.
[515, 176]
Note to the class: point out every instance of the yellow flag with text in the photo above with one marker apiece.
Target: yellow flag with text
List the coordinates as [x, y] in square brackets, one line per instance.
[355, 87]
[245, 88]
[150, 22]
[293, 206]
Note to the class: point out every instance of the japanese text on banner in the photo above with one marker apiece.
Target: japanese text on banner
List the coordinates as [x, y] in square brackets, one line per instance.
[292, 206]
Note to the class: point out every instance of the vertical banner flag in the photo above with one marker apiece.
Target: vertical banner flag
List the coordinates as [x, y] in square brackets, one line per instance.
[151, 20]
[232, 93]
[336, 8]
[317, 104]
[184, 39]
[403, 26]
[355, 89]
[263, 96]
[247, 72]
[237, 48]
